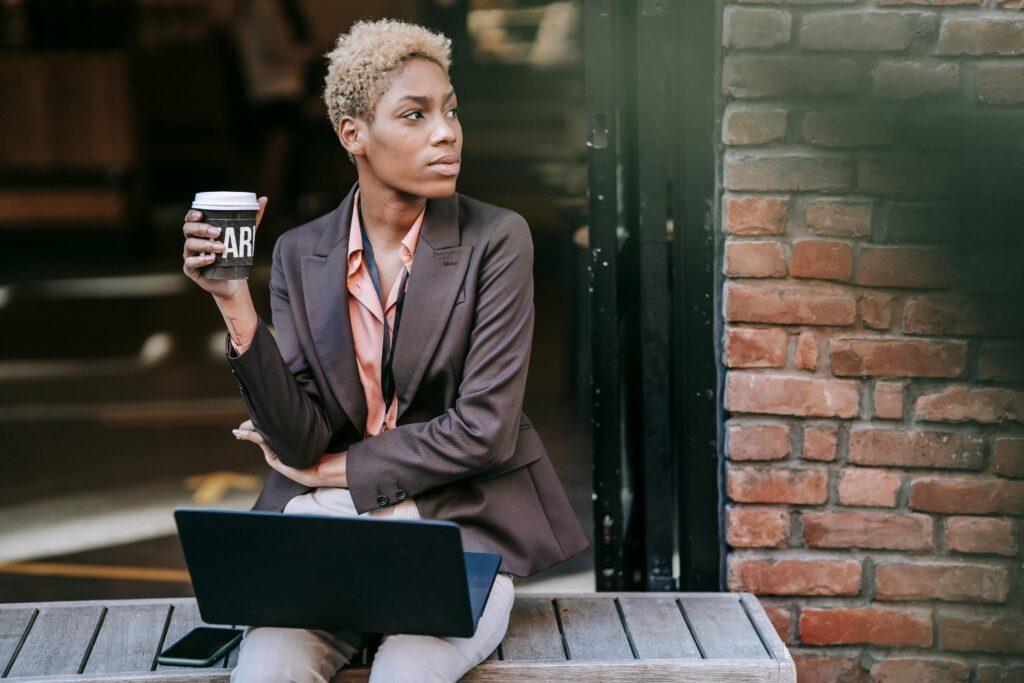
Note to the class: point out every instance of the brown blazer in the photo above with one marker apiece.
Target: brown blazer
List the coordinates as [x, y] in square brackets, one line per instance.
[462, 447]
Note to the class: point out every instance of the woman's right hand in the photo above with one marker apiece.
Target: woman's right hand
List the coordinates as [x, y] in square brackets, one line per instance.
[201, 238]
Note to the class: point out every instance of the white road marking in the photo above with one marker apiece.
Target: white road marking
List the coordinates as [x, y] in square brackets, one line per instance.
[86, 521]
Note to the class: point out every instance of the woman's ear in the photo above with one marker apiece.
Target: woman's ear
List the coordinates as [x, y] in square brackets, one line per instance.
[350, 135]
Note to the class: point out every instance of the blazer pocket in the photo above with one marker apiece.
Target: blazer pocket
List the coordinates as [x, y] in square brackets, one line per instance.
[528, 449]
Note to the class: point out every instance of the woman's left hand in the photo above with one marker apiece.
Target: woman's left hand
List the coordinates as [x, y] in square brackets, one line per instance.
[329, 471]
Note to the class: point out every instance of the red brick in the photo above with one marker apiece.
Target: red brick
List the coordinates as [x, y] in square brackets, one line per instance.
[1001, 362]
[981, 535]
[1008, 457]
[745, 75]
[928, 223]
[777, 485]
[757, 441]
[868, 529]
[748, 392]
[753, 125]
[1001, 673]
[958, 403]
[839, 217]
[960, 315]
[888, 400]
[755, 28]
[911, 669]
[822, 259]
[910, 176]
[781, 618]
[870, 625]
[806, 351]
[820, 444]
[864, 356]
[970, 495]
[794, 577]
[981, 634]
[904, 267]
[1000, 84]
[849, 127]
[796, 305]
[750, 258]
[941, 581]
[756, 214]
[869, 487]
[775, 171]
[876, 310]
[756, 527]
[981, 36]
[828, 669]
[916, 448]
[910, 79]
[861, 30]
[755, 347]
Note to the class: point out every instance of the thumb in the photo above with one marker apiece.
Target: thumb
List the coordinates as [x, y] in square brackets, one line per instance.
[263, 207]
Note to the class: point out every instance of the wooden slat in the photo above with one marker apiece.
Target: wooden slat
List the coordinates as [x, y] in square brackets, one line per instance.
[13, 625]
[58, 641]
[128, 639]
[658, 629]
[593, 629]
[639, 670]
[769, 636]
[721, 627]
[532, 633]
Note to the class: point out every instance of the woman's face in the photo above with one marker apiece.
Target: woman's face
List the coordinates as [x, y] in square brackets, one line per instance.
[415, 142]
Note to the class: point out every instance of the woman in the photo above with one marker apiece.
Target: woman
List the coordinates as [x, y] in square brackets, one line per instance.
[420, 417]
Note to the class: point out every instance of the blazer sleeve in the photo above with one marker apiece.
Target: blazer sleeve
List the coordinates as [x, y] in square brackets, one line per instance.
[276, 383]
[480, 430]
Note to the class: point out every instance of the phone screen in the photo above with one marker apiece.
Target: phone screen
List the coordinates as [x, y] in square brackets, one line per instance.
[201, 643]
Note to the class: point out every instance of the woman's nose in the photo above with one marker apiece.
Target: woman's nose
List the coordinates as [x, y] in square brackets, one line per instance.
[444, 132]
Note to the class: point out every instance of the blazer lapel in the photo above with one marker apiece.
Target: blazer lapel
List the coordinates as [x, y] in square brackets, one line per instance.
[326, 300]
[438, 269]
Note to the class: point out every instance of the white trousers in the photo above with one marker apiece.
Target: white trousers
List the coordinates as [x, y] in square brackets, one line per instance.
[280, 655]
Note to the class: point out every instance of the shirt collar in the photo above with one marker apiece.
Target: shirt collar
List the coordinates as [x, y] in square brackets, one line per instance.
[355, 239]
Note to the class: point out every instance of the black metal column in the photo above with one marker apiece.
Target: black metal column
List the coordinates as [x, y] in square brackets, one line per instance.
[649, 73]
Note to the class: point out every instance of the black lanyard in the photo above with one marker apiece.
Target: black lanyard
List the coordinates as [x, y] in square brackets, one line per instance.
[387, 353]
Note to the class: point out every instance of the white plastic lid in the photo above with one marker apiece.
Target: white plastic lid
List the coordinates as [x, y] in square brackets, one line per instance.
[226, 201]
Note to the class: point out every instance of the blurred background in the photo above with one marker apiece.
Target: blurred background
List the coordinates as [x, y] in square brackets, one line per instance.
[116, 402]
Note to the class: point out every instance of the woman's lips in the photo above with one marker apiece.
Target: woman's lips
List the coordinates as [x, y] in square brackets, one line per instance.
[447, 169]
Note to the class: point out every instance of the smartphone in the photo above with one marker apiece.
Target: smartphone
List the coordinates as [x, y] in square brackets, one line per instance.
[201, 646]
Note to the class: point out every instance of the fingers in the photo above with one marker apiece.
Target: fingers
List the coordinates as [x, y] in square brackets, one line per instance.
[193, 244]
[249, 435]
[194, 262]
[199, 230]
[246, 425]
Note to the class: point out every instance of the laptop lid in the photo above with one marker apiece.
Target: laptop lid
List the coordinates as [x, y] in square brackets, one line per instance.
[378, 575]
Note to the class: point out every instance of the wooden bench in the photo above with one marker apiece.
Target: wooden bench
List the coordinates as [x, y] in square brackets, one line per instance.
[578, 636]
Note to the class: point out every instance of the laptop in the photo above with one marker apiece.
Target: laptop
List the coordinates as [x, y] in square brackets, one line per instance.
[368, 574]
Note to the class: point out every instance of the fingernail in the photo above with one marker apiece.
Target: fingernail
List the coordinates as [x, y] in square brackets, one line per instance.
[214, 231]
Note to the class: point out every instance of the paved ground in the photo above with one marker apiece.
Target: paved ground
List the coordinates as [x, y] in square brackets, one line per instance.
[116, 406]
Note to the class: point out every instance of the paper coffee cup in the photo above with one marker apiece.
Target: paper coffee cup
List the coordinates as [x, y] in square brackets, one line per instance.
[235, 214]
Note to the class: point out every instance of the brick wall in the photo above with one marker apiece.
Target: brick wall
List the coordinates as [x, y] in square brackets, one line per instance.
[871, 175]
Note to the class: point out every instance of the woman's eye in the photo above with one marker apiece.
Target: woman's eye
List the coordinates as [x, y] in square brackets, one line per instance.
[454, 111]
[415, 111]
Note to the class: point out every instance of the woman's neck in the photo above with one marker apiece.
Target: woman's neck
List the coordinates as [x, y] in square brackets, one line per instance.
[387, 214]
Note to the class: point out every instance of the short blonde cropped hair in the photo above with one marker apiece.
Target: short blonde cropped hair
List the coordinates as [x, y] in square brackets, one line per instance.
[364, 57]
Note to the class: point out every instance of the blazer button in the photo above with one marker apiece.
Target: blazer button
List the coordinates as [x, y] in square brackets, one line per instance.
[400, 494]
[382, 500]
